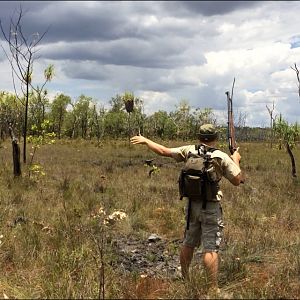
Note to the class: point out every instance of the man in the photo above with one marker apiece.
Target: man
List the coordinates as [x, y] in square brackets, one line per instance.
[205, 225]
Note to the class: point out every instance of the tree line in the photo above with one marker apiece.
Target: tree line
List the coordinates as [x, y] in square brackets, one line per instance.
[85, 118]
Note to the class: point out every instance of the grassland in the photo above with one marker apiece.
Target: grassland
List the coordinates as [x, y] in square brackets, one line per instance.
[54, 244]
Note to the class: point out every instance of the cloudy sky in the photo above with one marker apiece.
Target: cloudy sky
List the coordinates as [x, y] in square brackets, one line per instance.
[168, 51]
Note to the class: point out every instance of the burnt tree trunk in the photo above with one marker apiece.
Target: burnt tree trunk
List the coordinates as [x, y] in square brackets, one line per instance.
[16, 153]
[288, 148]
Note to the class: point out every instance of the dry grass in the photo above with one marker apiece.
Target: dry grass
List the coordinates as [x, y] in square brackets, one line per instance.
[52, 235]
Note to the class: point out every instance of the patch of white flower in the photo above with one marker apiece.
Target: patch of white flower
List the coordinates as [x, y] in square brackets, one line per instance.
[1, 237]
[117, 215]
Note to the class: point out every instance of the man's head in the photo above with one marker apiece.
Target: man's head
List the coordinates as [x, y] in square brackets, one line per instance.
[207, 133]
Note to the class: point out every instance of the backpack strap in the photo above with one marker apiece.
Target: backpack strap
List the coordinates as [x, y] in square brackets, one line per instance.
[206, 188]
[205, 148]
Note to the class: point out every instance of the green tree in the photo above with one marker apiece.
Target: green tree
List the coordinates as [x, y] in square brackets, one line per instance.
[38, 103]
[117, 103]
[78, 118]
[161, 125]
[116, 119]
[287, 135]
[97, 122]
[182, 119]
[58, 112]
[10, 114]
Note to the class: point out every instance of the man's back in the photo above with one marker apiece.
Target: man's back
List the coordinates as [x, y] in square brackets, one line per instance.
[227, 167]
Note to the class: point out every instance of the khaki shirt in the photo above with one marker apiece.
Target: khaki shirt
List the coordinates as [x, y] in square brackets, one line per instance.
[228, 168]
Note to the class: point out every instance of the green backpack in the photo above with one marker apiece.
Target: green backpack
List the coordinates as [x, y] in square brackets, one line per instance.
[198, 178]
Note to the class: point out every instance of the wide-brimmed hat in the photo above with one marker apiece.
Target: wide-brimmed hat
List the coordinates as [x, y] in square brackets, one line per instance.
[208, 132]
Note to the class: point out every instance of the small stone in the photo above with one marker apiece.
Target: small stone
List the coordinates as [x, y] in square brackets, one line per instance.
[154, 238]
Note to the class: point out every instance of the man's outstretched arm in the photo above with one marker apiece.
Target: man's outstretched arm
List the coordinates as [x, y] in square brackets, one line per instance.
[155, 147]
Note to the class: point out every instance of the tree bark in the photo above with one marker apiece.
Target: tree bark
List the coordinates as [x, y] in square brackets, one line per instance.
[288, 148]
[16, 153]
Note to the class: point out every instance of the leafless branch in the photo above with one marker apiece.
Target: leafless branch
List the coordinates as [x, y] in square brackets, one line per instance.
[271, 122]
[298, 78]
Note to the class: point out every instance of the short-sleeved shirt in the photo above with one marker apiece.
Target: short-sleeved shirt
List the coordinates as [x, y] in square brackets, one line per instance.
[228, 168]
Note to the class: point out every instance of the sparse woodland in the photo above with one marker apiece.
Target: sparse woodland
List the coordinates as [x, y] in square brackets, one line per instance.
[77, 211]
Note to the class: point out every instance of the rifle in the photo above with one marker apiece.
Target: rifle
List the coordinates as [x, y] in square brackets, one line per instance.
[230, 127]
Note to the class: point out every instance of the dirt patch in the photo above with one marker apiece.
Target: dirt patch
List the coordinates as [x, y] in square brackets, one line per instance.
[151, 257]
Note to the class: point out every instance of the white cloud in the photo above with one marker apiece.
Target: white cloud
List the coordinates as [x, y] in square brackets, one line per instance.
[154, 101]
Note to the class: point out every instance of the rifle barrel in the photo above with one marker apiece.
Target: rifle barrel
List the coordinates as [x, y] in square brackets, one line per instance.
[230, 127]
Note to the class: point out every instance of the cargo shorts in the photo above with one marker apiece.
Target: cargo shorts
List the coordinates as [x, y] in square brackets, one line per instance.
[205, 226]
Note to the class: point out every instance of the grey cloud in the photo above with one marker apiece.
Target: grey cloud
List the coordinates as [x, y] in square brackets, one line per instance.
[111, 20]
[127, 77]
[210, 8]
[85, 70]
[71, 21]
[9, 8]
[210, 96]
[156, 54]
[289, 107]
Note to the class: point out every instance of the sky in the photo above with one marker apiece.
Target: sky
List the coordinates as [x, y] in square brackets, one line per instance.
[166, 52]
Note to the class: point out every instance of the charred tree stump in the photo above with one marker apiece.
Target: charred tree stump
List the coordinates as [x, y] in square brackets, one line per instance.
[288, 148]
[16, 153]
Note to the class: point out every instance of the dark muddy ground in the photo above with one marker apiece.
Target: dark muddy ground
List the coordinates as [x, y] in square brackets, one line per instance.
[153, 256]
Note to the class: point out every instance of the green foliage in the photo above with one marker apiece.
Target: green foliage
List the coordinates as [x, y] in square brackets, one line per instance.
[58, 112]
[84, 118]
[286, 132]
[160, 124]
[128, 97]
[49, 72]
[37, 139]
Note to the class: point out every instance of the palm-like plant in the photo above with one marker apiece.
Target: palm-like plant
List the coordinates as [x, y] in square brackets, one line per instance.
[128, 99]
[287, 134]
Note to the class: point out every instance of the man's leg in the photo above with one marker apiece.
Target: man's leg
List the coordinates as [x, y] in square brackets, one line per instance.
[212, 227]
[186, 256]
[211, 264]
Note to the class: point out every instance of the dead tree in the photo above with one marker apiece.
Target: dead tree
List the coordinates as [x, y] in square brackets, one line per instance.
[290, 153]
[21, 56]
[298, 78]
[271, 111]
[16, 152]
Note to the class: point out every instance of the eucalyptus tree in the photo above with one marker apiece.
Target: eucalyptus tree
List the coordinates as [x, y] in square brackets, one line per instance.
[161, 124]
[97, 122]
[9, 119]
[182, 118]
[10, 113]
[82, 112]
[115, 119]
[58, 111]
[116, 103]
[38, 104]
[21, 54]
